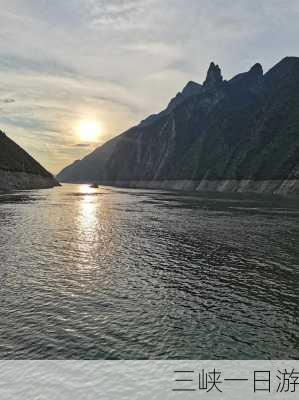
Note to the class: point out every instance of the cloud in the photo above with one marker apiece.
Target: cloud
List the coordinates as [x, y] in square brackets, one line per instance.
[82, 145]
[8, 101]
[118, 61]
[229, 25]
[117, 14]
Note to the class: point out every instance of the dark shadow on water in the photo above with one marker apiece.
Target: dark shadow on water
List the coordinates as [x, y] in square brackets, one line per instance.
[15, 198]
[231, 202]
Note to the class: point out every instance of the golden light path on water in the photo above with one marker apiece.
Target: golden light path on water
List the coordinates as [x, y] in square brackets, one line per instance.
[94, 233]
[139, 274]
[87, 225]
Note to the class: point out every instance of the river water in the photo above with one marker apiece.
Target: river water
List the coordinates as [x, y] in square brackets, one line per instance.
[139, 274]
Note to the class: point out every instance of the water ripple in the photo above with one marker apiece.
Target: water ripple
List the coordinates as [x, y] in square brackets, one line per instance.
[134, 274]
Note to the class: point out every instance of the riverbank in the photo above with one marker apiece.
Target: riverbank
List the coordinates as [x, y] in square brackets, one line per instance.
[14, 180]
[287, 187]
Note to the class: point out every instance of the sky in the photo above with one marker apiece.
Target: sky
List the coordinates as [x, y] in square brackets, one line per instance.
[117, 61]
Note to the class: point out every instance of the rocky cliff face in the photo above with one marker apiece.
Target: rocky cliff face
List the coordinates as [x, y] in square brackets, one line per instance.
[18, 170]
[237, 135]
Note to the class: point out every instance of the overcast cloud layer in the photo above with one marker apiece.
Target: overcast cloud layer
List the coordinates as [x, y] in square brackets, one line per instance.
[118, 61]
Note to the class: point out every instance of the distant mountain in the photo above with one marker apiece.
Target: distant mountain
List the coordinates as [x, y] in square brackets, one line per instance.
[237, 135]
[18, 170]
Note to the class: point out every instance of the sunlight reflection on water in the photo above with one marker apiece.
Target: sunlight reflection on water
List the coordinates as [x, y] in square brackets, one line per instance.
[115, 273]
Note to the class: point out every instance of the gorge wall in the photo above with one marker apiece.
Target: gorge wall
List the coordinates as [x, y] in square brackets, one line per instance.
[237, 135]
[19, 171]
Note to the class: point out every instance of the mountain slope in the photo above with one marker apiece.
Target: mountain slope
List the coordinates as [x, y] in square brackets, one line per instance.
[18, 170]
[237, 135]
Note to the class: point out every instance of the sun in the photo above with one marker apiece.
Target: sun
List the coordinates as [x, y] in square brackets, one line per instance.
[89, 130]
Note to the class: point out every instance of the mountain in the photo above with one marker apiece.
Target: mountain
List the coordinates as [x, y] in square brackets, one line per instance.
[189, 90]
[18, 170]
[237, 135]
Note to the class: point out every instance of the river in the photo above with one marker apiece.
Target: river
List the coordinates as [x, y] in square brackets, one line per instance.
[113, 273]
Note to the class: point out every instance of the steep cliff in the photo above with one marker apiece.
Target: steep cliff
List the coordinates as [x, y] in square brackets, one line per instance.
[18, 170]
[237, 135]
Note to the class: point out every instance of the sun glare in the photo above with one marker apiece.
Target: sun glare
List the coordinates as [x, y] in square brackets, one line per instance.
[89, 130]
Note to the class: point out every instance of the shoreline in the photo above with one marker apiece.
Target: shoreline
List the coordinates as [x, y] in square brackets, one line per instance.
[14, 180]
[287, 187]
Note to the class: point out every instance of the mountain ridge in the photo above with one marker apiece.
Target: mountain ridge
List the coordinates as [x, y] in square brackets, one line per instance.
[242, 130]
[18, 170]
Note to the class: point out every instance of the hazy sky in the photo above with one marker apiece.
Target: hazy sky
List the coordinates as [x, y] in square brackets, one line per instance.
[117, 61]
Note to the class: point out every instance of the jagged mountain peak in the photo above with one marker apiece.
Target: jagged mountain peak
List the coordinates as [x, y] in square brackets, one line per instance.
[249, 79]
[214, 77]
[236, 135]
[257, 69]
